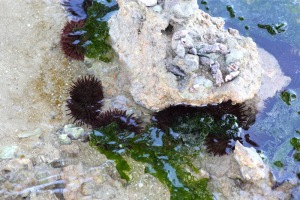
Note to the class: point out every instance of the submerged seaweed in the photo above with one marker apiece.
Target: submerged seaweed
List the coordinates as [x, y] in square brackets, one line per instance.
[164, 155]
[91, 38]
[96, 34]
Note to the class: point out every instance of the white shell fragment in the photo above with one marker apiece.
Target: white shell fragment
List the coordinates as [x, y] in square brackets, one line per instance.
[231, 76]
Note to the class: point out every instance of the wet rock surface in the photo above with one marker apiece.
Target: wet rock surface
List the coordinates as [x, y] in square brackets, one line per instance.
[243, 175]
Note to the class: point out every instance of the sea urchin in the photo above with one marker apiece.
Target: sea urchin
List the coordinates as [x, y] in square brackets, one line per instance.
[86, 100]
[123, 121]
[70, 40]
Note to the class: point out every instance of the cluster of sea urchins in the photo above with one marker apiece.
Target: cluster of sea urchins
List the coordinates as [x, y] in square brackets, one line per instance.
[86, 101]
[71, 39]
[218, 144]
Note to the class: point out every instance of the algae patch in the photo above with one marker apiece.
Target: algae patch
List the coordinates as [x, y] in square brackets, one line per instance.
[164, 156]
[96, 32]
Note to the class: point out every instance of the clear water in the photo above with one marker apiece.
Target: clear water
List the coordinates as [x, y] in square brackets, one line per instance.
[278, 122]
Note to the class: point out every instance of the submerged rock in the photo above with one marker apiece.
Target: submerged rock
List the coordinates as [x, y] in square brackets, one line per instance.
[176, 36]
[243, 175]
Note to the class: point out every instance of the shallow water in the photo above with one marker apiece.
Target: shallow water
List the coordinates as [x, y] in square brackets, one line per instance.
[277, 123]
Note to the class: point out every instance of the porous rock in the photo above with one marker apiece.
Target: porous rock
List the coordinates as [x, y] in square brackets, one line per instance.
[152, 47]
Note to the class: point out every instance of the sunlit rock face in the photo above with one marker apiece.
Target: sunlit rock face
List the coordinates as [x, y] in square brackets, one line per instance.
[175, 53]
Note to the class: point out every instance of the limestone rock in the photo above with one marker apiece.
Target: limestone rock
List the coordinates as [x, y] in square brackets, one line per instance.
[251, 165]
[181, 30]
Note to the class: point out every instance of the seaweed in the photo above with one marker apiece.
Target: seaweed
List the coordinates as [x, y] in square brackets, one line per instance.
[164, 155]
[274, 29]
[295, 143]
[297, 156]
[96, 32]
[288, 97]
[278, 164]
[231, 11]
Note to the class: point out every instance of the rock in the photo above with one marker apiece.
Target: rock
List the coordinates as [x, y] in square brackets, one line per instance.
[72, 131]
[37, 133]
[192, 62]
[251, 165]
[181, 29]
[149, 2]
[64, 139]
[8, 152]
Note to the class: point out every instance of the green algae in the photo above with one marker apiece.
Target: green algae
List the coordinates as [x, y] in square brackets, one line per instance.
[288, 97]
[231, 11]
[96, 32]
[295, 143]
[278, 164]
[168, 155]
[164, 156]
[297, 156]
[274, 29]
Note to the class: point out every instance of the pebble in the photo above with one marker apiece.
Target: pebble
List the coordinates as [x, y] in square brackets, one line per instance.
[37, 132]
[74, 132]
[8, 152]
[64, 139]
[192, 62]
[180, 50]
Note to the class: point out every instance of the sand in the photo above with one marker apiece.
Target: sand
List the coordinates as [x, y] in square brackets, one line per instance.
[35, 75]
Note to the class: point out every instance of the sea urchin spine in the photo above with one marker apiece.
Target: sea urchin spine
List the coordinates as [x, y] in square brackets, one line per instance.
[86, 100]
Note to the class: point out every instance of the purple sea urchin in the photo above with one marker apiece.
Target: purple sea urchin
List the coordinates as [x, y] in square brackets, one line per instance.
[77, 8]
[166, 117]
[220, 146]
[70, 40]
[86, 100]
[124, 121]
[244, 113]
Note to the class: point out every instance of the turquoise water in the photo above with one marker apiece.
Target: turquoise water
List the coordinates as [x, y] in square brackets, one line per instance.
[279, 122]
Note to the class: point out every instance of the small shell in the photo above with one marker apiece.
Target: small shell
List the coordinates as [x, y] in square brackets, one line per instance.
[232, 67]
[218, 77]
[174, 69]
[216, 73]
[231, 76]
